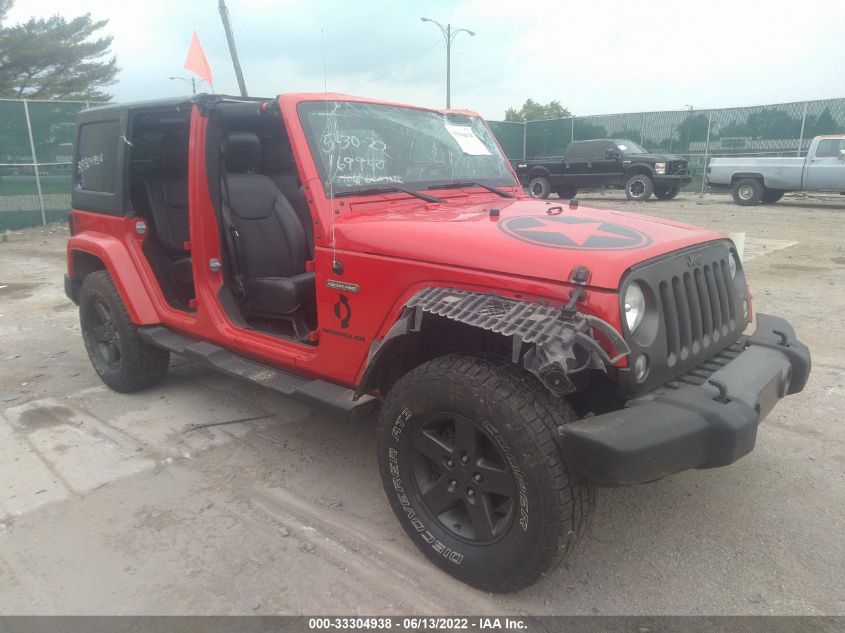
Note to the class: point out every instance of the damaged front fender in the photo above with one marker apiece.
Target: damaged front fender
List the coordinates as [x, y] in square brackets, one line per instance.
[548, 343]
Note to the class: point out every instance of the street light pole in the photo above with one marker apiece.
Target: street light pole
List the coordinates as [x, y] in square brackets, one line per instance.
[449, 35]
[192, 81]
[448, 66]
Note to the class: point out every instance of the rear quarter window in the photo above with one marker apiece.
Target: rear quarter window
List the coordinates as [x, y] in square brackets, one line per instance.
[96, 158]
[98, 167]
[578, 151]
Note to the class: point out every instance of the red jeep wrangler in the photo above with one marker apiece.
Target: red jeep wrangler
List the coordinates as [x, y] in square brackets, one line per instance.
[370, 256]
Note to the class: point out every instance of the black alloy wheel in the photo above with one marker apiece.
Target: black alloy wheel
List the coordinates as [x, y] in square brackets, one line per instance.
[104, 334]
[539, 187]
[463, 478]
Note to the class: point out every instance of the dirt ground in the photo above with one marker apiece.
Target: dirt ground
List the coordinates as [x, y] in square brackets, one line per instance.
[208, 495]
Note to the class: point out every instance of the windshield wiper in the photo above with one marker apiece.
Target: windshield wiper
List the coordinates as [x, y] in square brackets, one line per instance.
[458, 185]
[374, 190]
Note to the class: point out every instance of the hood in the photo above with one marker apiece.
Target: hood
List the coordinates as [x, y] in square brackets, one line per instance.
[653, 158]
[530, 238]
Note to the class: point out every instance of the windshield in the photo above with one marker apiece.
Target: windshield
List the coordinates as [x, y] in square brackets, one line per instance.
[629, 147]
[359, 146]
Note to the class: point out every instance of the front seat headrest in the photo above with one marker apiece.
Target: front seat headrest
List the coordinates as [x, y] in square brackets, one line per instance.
[241, 152]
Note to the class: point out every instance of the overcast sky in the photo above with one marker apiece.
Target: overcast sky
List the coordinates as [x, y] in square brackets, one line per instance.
[594, 56]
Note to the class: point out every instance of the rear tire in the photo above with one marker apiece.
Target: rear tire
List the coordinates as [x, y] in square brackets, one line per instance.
[747, 191]
[566, 193]
[122, 360]
[539, 187]
[470, 460]
[639, 187]
[770, 196]
[665, 193]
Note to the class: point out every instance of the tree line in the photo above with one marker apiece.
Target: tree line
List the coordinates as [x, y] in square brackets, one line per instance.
[55, 58]
[770, 123]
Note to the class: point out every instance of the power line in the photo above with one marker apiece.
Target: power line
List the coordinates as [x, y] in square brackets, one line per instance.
[393, 70]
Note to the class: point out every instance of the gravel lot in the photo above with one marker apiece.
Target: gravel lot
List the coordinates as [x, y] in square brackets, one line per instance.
[116, 504]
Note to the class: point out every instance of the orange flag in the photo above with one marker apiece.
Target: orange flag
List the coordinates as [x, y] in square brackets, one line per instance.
[196, 61]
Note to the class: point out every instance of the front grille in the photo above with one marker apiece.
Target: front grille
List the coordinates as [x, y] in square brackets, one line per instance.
[693, 312]
[677, 168]
[698, 308]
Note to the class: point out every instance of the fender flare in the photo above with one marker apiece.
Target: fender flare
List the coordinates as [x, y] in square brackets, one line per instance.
[124, 273]
[548, 343]
[539, 172]
[635, 168]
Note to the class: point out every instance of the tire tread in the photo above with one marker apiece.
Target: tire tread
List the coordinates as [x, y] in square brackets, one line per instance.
[147, 364]
[568, 519]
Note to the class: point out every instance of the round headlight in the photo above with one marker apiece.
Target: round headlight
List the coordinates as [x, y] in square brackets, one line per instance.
[732, 265]
[634, 306]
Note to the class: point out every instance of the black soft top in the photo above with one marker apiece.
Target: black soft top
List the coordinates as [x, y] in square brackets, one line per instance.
[117, 110]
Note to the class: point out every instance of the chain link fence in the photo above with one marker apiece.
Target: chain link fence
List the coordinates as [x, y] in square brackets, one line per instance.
[783, 129]
[36, 151]
[36, 143]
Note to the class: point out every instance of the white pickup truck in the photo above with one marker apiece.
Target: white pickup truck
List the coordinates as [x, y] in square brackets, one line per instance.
[754, 180]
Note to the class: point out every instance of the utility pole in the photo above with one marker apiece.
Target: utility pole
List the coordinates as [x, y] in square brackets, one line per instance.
[449, 35]
[230, 38]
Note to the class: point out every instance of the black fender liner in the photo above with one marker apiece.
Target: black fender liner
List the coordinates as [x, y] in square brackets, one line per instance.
[560, 345]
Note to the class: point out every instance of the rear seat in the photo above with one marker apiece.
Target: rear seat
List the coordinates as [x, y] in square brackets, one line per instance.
[166, 190]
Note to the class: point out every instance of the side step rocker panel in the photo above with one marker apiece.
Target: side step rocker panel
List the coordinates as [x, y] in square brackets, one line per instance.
[319, 393]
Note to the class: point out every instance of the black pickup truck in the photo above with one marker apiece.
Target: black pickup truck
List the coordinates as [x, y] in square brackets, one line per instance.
[605, 163]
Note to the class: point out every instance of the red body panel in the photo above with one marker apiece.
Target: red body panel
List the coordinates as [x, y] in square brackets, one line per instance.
[114, 241]
[461, 233]
[390, 246]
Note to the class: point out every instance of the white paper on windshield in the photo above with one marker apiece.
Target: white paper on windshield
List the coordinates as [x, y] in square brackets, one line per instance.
[468, 140]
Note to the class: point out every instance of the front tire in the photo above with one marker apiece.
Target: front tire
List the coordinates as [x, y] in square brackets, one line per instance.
[639, 187]
[747, 191]
[122, 360]
[469, 458]
[665, 193]
[539, 187]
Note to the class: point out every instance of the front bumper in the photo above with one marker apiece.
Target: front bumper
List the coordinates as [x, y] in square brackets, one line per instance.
[671, 180]
[714, 424]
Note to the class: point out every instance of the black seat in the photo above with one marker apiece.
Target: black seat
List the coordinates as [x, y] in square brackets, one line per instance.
[268, 238]
[277, 163]
[166, 191]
